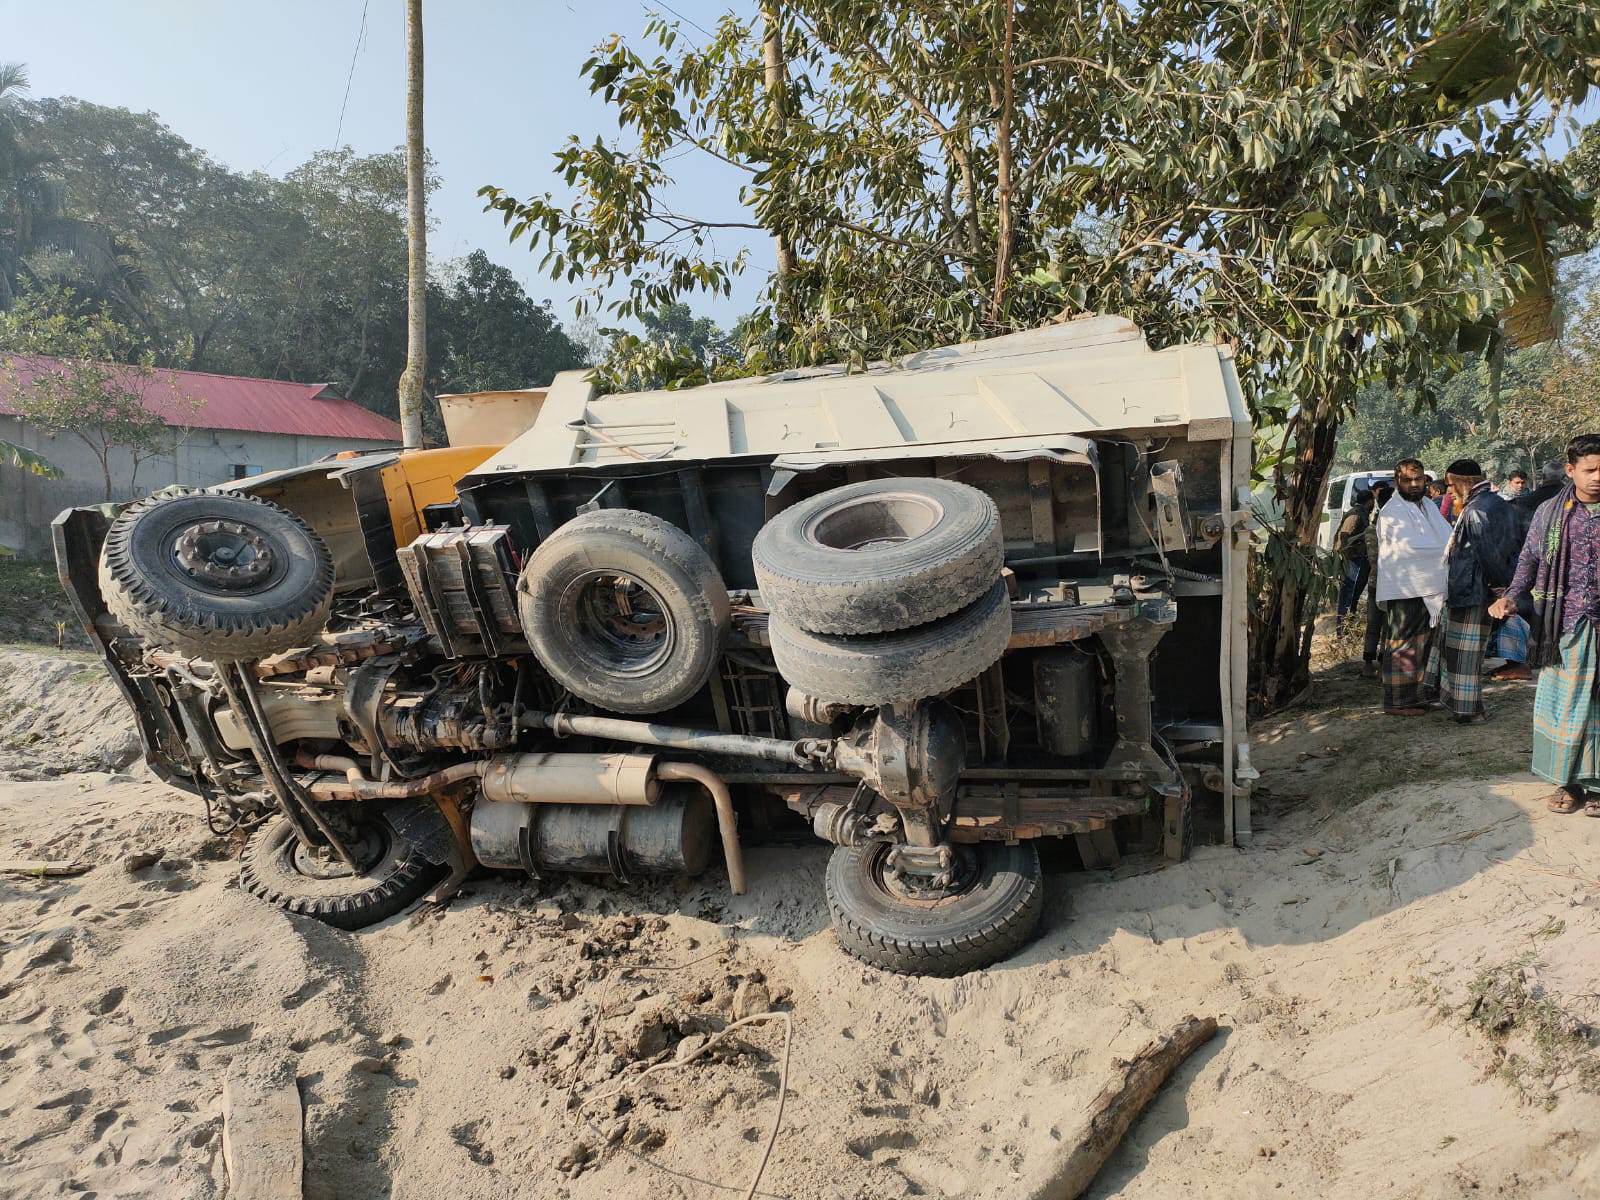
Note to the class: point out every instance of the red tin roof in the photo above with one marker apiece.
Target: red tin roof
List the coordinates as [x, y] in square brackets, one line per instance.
[201, 400]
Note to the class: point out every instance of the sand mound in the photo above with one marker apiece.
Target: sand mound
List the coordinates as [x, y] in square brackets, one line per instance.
[61, 714]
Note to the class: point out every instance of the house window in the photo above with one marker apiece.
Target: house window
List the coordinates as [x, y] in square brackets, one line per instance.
[246, 471]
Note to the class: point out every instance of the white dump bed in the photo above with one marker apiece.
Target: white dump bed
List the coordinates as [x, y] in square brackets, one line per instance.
[1046, 388]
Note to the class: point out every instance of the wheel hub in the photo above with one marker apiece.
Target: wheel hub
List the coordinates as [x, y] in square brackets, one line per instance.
[926, 878]
[224, 554]
[366, 845]
[623, 621]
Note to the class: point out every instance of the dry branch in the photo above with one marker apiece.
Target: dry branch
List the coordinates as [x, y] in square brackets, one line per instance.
[41, 868]
[1117, 1107]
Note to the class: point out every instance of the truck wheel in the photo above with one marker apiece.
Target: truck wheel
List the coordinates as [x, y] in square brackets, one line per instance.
[624, 610]
[986, 915]
[216, 575]
[278, 867]
[879, 555]
[909, 664]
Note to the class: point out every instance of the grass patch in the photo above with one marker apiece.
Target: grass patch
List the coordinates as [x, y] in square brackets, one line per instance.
[34, 609]
[1540, 1048]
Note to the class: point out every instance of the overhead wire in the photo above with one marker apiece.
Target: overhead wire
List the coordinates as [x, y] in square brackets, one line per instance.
[361, 36]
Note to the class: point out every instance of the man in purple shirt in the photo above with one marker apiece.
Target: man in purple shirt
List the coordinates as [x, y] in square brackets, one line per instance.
[1557, 569]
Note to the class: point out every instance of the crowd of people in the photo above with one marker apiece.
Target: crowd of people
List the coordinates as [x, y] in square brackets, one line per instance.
[1456, 571]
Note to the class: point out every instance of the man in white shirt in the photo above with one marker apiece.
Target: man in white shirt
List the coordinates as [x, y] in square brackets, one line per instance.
[1412, 538]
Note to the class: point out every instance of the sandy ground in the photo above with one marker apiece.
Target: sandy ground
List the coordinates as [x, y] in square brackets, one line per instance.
[1405, 965]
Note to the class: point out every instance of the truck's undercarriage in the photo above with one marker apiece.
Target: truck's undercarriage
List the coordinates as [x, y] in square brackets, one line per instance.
[615, 667]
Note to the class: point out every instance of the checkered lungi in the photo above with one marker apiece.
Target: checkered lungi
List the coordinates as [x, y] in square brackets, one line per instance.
[1455, 663]
[1511, 640]
[1566, 733]
[1407, 634]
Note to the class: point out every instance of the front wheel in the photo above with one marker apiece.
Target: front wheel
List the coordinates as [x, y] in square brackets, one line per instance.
[988, 912]
[281, 869]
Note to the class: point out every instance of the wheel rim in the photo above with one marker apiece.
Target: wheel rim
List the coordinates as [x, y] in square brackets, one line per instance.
[228, 556]
[904, 888]
[873, 522]
[368, 848]
[622, 622]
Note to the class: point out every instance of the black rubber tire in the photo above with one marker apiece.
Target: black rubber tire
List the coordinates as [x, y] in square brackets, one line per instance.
[146, 589]
[887, 585]
[687, 588]
[987, 922]
[399, 877]
[909, 664]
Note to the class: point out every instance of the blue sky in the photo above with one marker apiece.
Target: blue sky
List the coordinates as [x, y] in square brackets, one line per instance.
[259, 86]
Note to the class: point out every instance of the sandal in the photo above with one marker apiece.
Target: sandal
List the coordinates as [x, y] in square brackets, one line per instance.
[1569, 799]
[1592, 807]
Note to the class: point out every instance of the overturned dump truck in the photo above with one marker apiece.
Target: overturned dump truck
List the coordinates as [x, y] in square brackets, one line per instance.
[931, 613]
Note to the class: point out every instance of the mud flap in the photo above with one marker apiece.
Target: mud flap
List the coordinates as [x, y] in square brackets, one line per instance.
[424, 825]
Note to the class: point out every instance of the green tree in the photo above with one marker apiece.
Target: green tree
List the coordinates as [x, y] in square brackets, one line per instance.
[676, 349]
[197, 230]
[334, 307]
[74, 374]
[1344, 193]
[1482, 411]
[37, 238]
[486, 333]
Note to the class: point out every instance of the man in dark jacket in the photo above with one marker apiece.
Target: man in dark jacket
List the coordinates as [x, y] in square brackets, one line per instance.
[1374, 634]
[1552, 478]
[1479, 563]
[1350, 544]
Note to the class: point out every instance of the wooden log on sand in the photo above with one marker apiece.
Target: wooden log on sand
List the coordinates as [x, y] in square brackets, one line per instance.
[1117, 1107]
[262, 1131]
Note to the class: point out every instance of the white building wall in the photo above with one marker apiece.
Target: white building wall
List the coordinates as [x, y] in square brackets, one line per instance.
[202, 457]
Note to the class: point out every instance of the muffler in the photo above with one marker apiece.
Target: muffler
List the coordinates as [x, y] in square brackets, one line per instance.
[674, 836]
[571, 779]
[590, 813]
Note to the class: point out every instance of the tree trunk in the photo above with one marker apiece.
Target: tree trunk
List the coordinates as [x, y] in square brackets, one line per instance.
[777, 85]
[1005, 233]
[1282, 658]
[416, 238]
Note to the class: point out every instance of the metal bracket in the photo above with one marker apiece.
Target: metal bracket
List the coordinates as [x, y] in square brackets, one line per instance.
[1172, 517]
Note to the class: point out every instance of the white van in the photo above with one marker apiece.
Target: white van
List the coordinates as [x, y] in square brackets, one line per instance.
[1342, 491]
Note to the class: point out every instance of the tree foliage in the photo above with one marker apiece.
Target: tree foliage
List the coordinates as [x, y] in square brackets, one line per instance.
[488, 334]
[676, 349]
[1344, 193]
[299, 277]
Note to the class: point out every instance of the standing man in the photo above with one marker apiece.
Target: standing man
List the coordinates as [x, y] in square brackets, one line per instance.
[1516, 484]
[1369, 644]
[1479, 562]
[1558, 568]
[1552, 478]
[1412, 537]
[1350, 544]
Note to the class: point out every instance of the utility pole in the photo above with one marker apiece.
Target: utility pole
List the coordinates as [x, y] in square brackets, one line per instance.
[416, 238]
